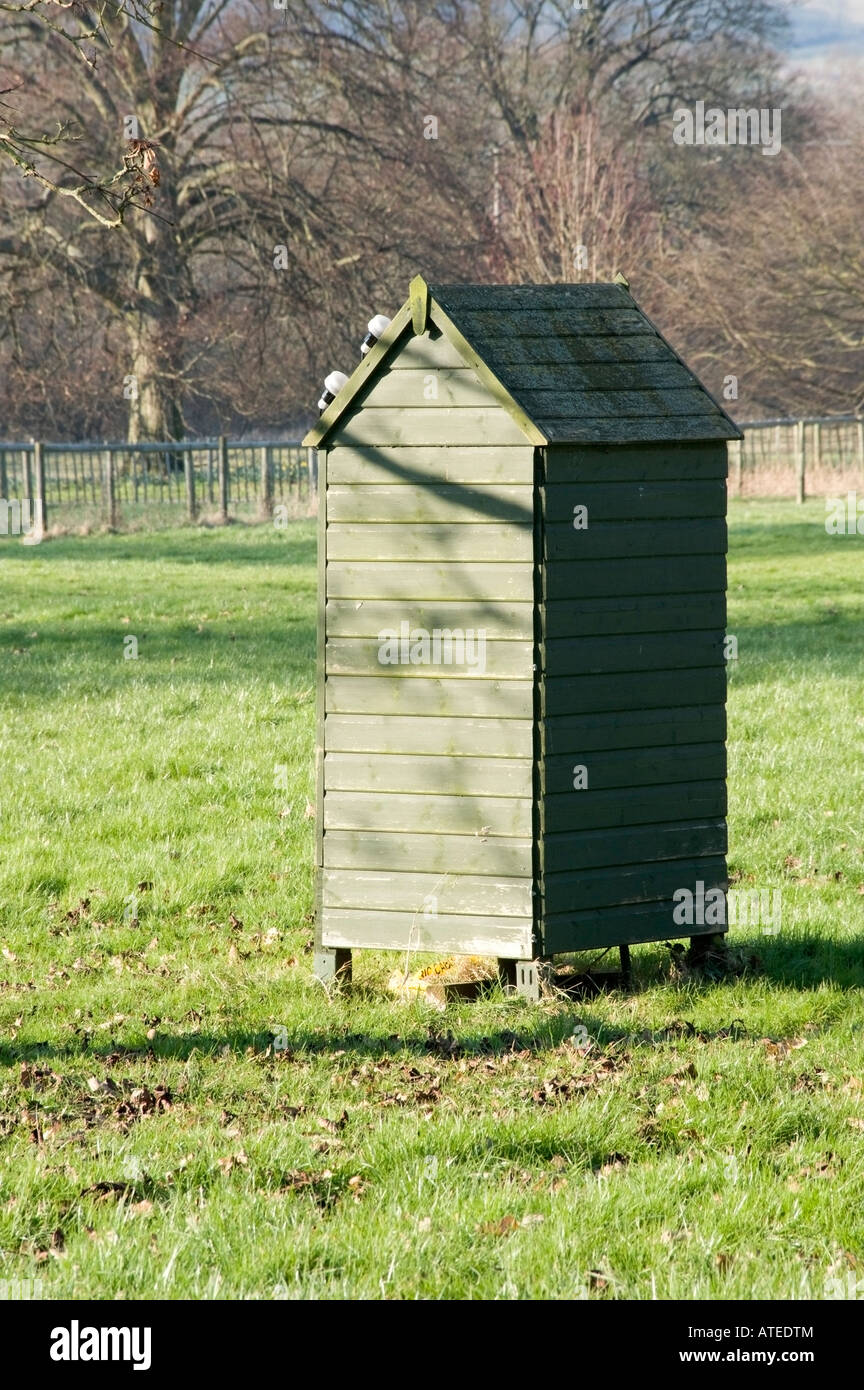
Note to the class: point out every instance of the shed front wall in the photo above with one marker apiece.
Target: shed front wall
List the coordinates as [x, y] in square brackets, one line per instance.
[633, 689]
[426, 769]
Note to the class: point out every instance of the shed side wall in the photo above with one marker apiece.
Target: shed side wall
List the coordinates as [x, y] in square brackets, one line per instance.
[633, 689]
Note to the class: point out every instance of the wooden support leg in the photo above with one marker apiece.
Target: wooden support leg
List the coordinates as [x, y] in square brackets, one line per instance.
[333, 965]
[626, 969]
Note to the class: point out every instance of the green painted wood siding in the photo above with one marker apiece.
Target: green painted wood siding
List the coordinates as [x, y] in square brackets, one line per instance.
[427, 770]
[633, 685]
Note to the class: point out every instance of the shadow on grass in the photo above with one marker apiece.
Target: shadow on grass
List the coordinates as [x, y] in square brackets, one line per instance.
[806, 963]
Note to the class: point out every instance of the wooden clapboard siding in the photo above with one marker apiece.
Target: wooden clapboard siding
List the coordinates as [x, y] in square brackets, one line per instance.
[581, 618]
[677, 574]
[428, 388]
[487, 699]
[383, 425]
[640, 728]
[568, 850]
[632, 883]
[634, 767]
[592, 810]
[596, 928]
[633, 691]
[449, 502]
[626, 501]
[430, 581]
[437, 774]
[491, 661]
[643, 651]
[607, 540]
[649, 462]
[471, 541]
[501, 622]
[509, 937]
[367, 733]
[466, 465]
[435, 854]
[454, 815]
[388, 890]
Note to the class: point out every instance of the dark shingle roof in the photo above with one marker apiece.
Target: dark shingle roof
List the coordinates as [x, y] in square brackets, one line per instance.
[584, 362]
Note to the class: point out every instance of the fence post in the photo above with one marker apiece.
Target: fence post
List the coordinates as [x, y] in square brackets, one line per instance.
[817, 444]
[39, 479]
[265, 503]
[223, 478]
[860, 424]
[3, 479]
[802, 466]
[27, 474]
[109, 496]
[189, 474]
[312, 470]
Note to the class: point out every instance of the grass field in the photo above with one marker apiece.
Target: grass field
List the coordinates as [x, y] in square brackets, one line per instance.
[155, 926]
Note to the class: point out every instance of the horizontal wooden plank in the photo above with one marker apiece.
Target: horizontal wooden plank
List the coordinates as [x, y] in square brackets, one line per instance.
[464, 464]
[594, 376]
[661, 402]
[430, 350]
[661, 574]
[633, 767]
[505, 298]
[633, 883]
[454, 815]
[509, 937]
[637, 428]
[501, 622]
[653, 463]
[432, 580]
[616, 926]
[493, 738]
[463, 657]
[428, 388]
[616, 501]
[642, 651]
[457, 698]
[388, 890]
[592, 810]
[647, 690]
[619, 729]
[436, 774]
[385, 425]
[564, 618]
[635, 844]
[608, 540]
[488, 325]
[445, 502]
[471, 541]
[434, 854]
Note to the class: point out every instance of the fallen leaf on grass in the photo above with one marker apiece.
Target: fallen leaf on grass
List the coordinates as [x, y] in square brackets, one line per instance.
[142, 1208]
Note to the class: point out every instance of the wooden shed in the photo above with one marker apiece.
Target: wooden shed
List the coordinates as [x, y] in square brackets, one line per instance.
[521, 690]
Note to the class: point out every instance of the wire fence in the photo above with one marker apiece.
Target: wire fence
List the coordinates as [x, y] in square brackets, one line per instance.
[119, 483]
[56, 485]
[815, 456]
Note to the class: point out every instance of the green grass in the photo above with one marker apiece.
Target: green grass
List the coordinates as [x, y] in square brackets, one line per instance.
[708, 1143]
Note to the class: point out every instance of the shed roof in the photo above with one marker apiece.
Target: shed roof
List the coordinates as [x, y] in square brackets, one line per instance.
[571, 363]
